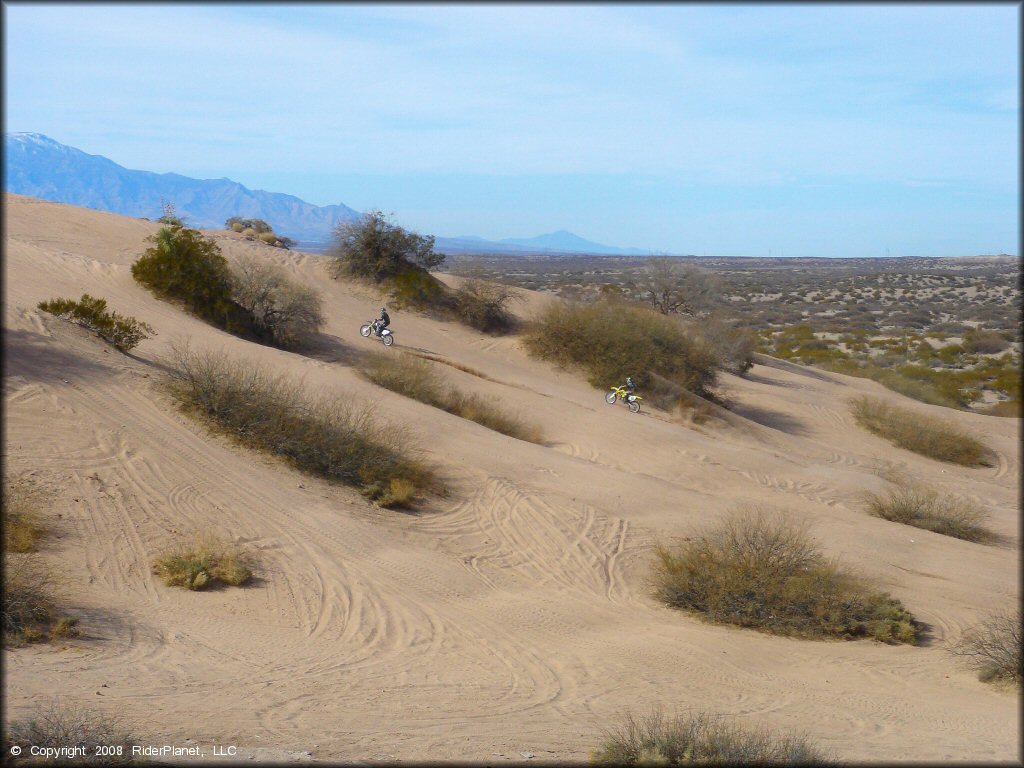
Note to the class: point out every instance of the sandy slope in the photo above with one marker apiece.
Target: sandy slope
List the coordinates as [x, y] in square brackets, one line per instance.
[511, 616]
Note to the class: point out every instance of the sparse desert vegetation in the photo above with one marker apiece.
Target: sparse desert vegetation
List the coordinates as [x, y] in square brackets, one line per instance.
[993, 648]
[100, 739]
[283, 309]
[123, 333]
[763, 571]
[700, 739]
[258, 229]
[31, 611]
[416, 378]
[326, 435]
[950, 515]
[611, 339]
[929, 436]
[203, 562]
[22, 522]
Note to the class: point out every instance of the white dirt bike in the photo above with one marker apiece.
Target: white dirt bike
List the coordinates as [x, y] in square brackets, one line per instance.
[385, 336]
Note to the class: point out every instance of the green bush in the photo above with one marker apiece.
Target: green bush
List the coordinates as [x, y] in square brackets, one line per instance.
[183, 265]
[612, 339]
[926, 435]
[328, 436]
[700, 739]
[768, 574]
[374, 247]
[124, 333]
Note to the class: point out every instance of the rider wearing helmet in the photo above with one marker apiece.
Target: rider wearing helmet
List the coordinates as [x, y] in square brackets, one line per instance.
[382, 322]
[630, 387]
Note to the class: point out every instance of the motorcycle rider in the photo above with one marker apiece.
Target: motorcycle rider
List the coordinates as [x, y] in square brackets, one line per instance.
[629, 386]
[381, 322]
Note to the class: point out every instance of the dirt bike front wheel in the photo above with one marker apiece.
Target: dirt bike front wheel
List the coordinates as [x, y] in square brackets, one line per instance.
[365, 330]
[388, 340]
[610, 398]
[634, 406]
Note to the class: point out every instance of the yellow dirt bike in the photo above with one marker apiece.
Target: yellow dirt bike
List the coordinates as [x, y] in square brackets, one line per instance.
[620, 393]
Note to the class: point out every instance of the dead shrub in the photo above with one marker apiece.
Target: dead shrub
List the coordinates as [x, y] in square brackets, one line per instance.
[993, 647]
[30, 610]
[700, 738]
[484, 305]
[55, 726]
[926, 435]
[765, 572]
[22, 525]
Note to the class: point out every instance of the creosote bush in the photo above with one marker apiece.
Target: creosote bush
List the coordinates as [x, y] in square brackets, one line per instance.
[56, 725]
[765, 572]
[702, 739]
[993, 648]
[375, 247]
[124, 333]
[921, 507]
[330, 436]
[282, 308]
[258, 229]
[198, 564]
[416, 378]
[611, 339]
[926, 435]
[484, 305]
[30, 610]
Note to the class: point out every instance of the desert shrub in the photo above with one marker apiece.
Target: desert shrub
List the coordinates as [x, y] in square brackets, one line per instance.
[55, 726]
[733, 346]
[417, 379]
[484, 305]
[282, 308]
[671, 286]
[613, 339]
[200, 563]
[1005, 408]
[921, 507]
[21, 520]
[124, 333]
[926, 435]
[993, 647]
[183, 265]
[329, 436]
[169, 215]
[30, 610]
[764, 572]
[701, 739]
[375, 247]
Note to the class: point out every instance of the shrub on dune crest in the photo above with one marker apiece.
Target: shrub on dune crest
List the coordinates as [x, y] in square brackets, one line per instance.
[701, 739]
[935, 438]
[329, 436]
[765, 572]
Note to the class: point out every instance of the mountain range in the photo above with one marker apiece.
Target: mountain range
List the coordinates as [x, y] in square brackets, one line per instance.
[38, 166]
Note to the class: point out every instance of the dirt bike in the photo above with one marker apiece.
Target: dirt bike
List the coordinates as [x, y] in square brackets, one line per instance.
[617, 393]
[385, 336]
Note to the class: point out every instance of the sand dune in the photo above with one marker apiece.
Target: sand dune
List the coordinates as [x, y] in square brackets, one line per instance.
[511, 616]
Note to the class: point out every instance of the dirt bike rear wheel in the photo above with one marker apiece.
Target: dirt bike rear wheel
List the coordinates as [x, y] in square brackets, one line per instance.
[388, 340]
[634, 406]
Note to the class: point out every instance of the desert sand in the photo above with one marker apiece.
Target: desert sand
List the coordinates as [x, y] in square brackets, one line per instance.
[512, 616]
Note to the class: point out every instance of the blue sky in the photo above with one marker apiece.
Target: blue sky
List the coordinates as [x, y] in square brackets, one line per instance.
[804, 130]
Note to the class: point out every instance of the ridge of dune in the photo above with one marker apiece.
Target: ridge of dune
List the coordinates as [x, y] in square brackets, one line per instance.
[510, 616]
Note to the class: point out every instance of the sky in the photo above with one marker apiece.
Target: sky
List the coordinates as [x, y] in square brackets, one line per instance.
[720, 129]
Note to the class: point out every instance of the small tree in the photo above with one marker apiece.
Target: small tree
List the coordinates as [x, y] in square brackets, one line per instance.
[169, 216]
[484, 305]
[377, 248]
[673, 287]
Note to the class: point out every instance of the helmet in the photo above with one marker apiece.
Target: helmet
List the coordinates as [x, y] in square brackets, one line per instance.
[629, 379]
[382, 309]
